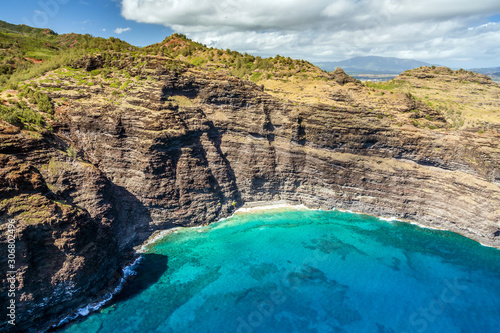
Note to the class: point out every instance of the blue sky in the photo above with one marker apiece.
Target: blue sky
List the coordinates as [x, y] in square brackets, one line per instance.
[98, 18]
[454, 33]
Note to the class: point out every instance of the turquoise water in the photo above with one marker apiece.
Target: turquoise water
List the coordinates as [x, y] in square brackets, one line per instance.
[289, 270]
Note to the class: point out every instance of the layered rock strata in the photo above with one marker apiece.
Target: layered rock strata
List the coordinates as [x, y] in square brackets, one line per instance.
[186, 147]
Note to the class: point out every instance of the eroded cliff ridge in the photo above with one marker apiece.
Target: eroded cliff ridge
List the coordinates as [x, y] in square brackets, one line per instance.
[139, 144]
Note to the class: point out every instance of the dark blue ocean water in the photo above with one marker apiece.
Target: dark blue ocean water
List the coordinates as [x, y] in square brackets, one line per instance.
[289, 270]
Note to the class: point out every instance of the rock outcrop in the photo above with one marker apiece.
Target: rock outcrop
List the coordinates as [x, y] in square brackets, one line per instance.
[179, 148]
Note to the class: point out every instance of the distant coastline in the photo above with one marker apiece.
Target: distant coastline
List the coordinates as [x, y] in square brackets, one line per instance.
[373, 77]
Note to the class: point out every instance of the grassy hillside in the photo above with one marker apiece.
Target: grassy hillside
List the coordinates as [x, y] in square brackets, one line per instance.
[466, 99]
[27, 52]
[38, 63]
[234, 63]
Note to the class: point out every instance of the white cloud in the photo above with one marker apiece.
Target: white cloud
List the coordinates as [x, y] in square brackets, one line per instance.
[431, 30]
[483, 26]
[103, 29]
[121, 30]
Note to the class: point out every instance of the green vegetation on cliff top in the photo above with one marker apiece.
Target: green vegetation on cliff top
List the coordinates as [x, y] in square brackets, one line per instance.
[27, 54]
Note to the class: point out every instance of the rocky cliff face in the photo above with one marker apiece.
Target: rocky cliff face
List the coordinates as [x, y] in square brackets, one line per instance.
[180, 147]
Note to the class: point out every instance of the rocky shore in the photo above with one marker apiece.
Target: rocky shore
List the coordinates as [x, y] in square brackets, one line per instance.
[186, 148]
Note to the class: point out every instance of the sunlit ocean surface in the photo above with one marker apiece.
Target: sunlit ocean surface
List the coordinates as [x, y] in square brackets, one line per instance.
[289, 270]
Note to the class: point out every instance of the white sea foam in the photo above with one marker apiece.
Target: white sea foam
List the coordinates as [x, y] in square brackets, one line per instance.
[84, 311]
[444, 229]
[486, 245]
[424, 226]
[389, 219]
[267, 206]
[156, 237]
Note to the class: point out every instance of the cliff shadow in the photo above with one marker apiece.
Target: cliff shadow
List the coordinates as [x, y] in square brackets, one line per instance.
[131, 216]
[149, 272]
[171, 150]
[215, 137]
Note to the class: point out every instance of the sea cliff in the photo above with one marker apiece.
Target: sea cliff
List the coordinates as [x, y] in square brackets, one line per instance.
[183, 146]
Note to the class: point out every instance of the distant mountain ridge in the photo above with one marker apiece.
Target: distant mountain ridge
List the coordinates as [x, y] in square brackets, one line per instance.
[493, 72]
[487, 71]
[373, 65]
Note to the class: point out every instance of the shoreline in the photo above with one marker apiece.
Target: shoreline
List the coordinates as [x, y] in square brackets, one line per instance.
[156, 236]
[266, 205]
[255, 206]
[249, 207]
[128, 271]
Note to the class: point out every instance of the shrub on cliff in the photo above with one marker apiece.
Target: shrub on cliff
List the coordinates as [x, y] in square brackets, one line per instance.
[42, 101]
[23, 116]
